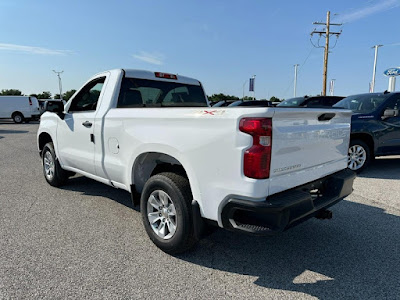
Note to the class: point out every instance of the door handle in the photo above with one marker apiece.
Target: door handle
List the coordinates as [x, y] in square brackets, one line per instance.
[87, 124]
[326, 117]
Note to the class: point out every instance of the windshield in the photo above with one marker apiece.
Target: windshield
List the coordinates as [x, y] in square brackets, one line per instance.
[364, 103]
[154, 93]
[292, 102]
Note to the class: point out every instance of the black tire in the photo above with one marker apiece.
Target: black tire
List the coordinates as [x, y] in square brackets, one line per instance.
[18, 118]
[363, 148]
[58, 176]
[177, 187]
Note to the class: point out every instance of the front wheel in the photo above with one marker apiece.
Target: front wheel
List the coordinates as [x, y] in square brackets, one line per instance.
[166, 212]
[53, 173]
[359, 156]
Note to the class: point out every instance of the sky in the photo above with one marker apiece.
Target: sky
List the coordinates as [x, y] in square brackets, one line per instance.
[222, 43]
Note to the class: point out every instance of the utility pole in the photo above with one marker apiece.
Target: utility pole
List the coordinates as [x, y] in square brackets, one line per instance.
[374, 71]
[295, 79]
[59, 82]
[327, 34]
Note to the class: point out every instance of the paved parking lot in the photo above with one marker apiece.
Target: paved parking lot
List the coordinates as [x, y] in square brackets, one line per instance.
[86, 241]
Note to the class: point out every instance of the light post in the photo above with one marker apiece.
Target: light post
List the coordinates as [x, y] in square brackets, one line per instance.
[374, 71]
[244, 84]
[59, 82]
[295, 79]
[332, 87]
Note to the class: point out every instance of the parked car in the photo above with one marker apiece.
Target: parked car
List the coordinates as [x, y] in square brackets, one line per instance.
[252, 103]
[222, 103]
[19, 108]
[375, 127]
[189, 165]
[313, 101]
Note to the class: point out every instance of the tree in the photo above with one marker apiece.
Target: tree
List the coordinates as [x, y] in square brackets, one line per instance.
[220, 97]
[248, 98]
[11, 92]
[275, 99]
[44, 95]
[68, 94]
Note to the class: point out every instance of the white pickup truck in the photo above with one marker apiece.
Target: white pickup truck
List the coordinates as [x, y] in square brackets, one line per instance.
[188, 165]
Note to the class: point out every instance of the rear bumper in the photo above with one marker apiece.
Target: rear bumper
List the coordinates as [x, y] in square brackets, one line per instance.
[289, 208]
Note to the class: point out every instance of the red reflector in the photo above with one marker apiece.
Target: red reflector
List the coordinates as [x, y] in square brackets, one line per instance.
[166, 75]
[257, 159]
[30, 101]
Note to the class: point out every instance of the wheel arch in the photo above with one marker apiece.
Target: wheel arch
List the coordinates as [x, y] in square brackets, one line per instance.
[43, 139]
[366, 138]
[17, 112]
[151, 163]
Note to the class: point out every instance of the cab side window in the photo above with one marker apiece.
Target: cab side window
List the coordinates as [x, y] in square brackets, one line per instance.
[395, 104]
[328, 101]
[87, 98]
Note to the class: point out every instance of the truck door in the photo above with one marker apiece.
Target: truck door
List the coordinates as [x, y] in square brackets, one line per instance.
[390, 136]
[75, 137]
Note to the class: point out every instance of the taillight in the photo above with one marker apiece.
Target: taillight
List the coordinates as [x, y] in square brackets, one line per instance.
[30, 101]
[165, 75]
[257, 159]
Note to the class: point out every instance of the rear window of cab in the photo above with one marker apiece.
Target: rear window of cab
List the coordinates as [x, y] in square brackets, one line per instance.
[137, 92]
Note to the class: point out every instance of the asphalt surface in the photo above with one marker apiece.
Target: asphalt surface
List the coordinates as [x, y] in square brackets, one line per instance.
[86, 241]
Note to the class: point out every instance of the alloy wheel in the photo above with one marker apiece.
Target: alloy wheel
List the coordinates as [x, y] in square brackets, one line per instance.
[161, 214]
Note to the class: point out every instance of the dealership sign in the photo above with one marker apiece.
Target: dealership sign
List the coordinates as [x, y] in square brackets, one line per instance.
[392, 72]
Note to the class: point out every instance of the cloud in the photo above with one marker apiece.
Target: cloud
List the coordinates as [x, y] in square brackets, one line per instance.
[151, 58]
[372, 8]
[33, 50]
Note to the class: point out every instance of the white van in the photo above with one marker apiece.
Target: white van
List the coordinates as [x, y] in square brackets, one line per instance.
[19, 108]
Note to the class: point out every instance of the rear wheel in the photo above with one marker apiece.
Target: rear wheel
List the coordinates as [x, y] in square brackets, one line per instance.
[359, 155]
[53, 173]
[166, 212]
[18, 118]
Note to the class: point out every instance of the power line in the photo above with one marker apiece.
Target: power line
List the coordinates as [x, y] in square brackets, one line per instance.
[298, 71]
[325, 32]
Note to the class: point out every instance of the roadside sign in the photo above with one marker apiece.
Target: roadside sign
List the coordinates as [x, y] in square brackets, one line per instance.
[392, 72]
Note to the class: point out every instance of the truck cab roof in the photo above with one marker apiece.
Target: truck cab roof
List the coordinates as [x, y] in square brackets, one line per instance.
[157, 75]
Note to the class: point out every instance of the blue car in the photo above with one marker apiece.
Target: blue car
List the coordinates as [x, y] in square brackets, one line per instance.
[375, 127]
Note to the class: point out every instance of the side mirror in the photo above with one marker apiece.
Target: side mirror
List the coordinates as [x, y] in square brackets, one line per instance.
[389, 113]
[55, 107]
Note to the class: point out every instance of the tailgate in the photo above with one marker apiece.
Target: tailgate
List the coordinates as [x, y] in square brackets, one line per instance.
[307, 144]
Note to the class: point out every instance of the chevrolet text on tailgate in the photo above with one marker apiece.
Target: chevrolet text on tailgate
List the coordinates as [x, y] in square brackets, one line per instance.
[191, 166]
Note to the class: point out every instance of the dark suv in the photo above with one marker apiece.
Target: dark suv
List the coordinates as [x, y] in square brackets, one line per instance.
[375, 127]
[314, 101]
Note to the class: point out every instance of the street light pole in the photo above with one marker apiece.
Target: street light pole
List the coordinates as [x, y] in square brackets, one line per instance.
[295, 79]
[59, 82]
[374, 71]
[332, 87]
[254, 90]
[243, 89]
